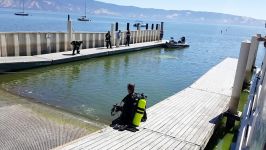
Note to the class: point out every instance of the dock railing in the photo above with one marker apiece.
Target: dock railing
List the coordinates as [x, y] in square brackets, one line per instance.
[253, 109]
[248, 115]
[37, 43]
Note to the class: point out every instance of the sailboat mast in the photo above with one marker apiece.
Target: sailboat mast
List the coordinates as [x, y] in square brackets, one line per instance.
[23, 6]
[85, 8]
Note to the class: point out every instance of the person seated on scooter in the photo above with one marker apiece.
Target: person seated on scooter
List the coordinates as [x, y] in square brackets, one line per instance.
[171, 41]
[127, 110]
[183, 39]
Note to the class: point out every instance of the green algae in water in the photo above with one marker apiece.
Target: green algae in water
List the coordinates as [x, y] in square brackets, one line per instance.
[222, 137]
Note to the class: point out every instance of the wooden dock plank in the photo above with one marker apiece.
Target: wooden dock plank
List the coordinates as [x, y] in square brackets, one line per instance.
[185, 120]
[219, 79]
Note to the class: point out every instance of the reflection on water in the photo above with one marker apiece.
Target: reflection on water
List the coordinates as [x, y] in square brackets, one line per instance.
[91, 87]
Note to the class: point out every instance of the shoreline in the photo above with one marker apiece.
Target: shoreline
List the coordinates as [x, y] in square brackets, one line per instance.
[37, 123]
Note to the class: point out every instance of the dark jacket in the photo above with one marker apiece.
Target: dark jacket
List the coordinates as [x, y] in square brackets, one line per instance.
[128, 35]
[128, 109]
[107, 37]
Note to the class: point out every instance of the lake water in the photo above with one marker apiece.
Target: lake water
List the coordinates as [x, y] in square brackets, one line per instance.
[92, 86]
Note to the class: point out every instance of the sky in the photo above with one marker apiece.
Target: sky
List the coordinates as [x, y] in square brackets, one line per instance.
[249, 8]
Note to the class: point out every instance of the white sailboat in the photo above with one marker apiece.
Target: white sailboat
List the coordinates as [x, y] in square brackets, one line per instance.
[84, 18]
[22, 13]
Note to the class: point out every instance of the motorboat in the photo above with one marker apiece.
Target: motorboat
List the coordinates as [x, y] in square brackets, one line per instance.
[176, 44]
[140, 24]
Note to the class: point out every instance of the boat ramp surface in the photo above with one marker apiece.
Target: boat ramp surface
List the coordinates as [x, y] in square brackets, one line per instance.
[185, 120]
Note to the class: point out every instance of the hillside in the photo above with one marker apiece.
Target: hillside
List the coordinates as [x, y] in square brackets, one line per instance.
[106, 9]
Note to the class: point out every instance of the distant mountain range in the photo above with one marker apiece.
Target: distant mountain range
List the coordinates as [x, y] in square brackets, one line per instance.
[106, 9]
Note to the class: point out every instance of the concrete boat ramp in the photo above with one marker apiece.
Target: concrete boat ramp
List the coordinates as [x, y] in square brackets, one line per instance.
[15, 63]
[185, 120]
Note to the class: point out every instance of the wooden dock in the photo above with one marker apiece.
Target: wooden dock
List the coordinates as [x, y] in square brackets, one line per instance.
[15, 63]
[185, 120]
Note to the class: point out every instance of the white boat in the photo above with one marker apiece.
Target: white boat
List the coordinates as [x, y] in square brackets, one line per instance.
[22, 13]
[84, 18]
[139, 23]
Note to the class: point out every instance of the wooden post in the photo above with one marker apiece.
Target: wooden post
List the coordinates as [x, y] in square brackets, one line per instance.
[142, 36]
[48, 42]
[158, 32]
[133, 37]
[252, 53]
[16, 44]
[239, 76]
[0, 46]
[123, 38]
[87, 40]
[153, 35]
[57, 42]
[113, 39]
[3, 45]
[39, 52]
[93, 40]
[150, 35]
[99, 40]
[28, 45]
[80, 36]
[66, 43]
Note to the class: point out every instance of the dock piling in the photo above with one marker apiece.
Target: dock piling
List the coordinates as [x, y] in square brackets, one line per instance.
[239, 76]
[69, 30]
[113, 34]
[252, 53]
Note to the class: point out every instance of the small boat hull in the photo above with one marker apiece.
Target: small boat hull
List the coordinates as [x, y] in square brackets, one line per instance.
[141, 25]
[21, 14]
[83, 18]
[176, 45]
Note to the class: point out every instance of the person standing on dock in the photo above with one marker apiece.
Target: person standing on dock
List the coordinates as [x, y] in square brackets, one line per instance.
[108, 39]
[127, 37]
[118, 38]
[161, 35]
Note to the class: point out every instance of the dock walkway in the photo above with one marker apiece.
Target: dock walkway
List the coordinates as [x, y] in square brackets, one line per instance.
[185, 120]
[15, 63]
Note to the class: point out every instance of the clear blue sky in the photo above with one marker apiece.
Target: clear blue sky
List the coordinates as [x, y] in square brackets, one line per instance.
[249, 8]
